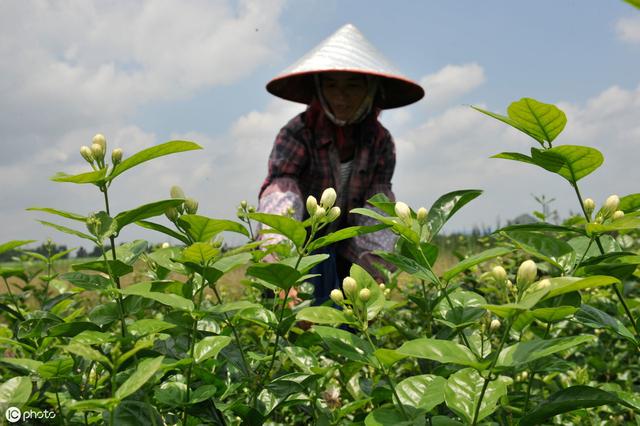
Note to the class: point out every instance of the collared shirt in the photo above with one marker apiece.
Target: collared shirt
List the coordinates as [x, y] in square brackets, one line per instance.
[305, 161]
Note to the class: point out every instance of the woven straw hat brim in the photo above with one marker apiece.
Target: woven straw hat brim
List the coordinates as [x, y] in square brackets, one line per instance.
[397, 91]
[349, 51]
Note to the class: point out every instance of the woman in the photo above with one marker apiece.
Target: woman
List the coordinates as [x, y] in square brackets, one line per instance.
[337, 142]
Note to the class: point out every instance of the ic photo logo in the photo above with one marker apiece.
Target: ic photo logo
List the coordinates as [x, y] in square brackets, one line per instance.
[13, 414]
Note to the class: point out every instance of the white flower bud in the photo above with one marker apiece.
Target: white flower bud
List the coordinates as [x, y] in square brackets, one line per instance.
[97, 151]
[312, 205]
[403, 211]
[320, 213]
[116, 156]
[349, 285]
[243, 204]
[165, 245]
[382, 286]
[589, 205]
[495, 324]
[387, 291]
[527, 273]
[611, 205]
[100, 140]
[176, 192]
[499, 273]
[86, 153]
[422, 215]
[337, 296]
[333, 214]
[171, 213]
[618, 214]
[191, 205]
[328, 198]
[364, 295]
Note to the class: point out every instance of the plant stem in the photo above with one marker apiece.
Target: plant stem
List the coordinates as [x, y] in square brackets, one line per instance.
[389, 379]
[13, 299]
[60, 408]
[488, 379]
[192, 347]
[247, 370]
[123, 325]
[533, 373]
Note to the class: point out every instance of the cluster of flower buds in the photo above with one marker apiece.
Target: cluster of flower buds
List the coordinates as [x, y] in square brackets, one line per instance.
[609, 209]
[353, 297]
[243, 209]
[95, 154]
[189, 206]
[325, 210]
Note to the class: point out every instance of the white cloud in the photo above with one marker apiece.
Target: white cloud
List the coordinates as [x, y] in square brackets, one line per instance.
[76, 66]
[78, 62]
[451, 82]
[628, 29]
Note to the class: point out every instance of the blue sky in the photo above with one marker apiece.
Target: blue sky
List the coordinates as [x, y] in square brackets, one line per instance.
[143, 72]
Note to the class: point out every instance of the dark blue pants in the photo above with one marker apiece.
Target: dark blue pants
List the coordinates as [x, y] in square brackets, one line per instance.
[332, 271]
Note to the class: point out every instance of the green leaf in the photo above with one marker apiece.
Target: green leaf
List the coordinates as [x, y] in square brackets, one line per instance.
[69, 231]
[60, 368]
[408, 265]
[117, 268]
[306, 263]
[635, 3]
[542, 226]
[511, 122]
[386, 417]
[514, 156]
[169, 299]
[145, 211]
[528, 301]
[383, 203]
[93, 404]
[26, 364]
[203, 229]
[303, 358]
[151, 153]
[572, 162]
[15, 391]
[628, 222]
[552, 250]
[446, 206]
[562, 285]
[524, 352]
[630, 203]
[286, 226]
[278, 274]
[343, 234]
[200, 253]
[569, 399]
[539, 120]
[92, 338]
[229, 263]
[145, 370]
[341, 342]
[86, 352]
[322, 315]
[425, 391]
[10, 245]
[70, 329]
[68, 215]
[595, 318]
[88, 177]
[444, 351]
[105, 227]
[467, 306]
[209, 347]
[164, 230]
[463, 389]
[397, 226]
[87, 281]
[474, 260]
[144, 327]
[388, 357]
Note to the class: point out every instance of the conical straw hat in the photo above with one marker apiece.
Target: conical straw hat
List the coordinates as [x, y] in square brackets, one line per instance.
[345, 50]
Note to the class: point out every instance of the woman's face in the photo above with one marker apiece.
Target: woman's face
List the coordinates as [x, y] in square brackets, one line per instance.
[344, 92]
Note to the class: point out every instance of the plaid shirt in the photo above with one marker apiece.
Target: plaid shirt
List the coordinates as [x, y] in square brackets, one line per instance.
[305, 161]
